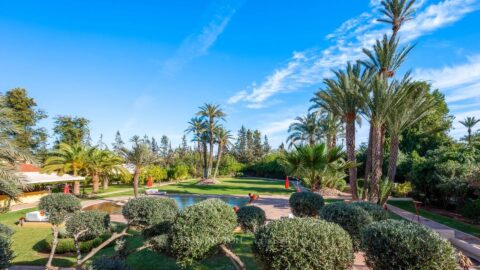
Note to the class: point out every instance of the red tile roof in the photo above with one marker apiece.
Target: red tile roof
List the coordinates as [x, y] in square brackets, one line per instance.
[28, 168]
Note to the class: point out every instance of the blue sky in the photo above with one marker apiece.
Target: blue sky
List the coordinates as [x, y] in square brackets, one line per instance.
[144, 67]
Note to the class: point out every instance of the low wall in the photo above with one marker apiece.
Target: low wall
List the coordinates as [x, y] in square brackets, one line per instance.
[26, 197]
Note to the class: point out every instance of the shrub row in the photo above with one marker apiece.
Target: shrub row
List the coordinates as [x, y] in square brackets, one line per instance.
[67, 245]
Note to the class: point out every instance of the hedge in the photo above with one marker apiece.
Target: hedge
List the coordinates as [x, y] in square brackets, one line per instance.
[105, 263]
[376, 211]
[251, 217]
[303, 243]
[67, 245]
[399, 245]
[306, 204]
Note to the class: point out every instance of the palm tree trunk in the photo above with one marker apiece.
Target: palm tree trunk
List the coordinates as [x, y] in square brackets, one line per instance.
[205, 169]
[368, 165]
[352, 172]
[54, 247]
[210, 157]
[95, 182]
[392, 162]
[105, 182]
[334, 141]
[76, 184]
[376, 162]
[219, 158]
[136, 176]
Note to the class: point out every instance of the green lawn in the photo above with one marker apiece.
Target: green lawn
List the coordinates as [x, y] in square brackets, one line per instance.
[111, 188]
[461, 226]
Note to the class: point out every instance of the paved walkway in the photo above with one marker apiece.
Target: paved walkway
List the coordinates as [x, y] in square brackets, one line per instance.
[468, 244]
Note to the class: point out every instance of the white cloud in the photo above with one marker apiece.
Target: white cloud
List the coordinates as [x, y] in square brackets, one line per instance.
[278, 126]
[310, 66]
[197, 44]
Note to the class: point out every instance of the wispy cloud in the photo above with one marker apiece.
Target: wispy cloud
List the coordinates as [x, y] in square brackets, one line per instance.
[198, 43]
[310, 66]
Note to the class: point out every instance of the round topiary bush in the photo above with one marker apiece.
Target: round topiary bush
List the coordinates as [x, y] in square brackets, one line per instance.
[471, 210]
[5, 230]
[58, 206]
[303, 243]
[306, 204]
[351, 218]
[149, 212]
[88, 225]
[251, 217]
[105, 263]
[6, 252]
[399, 245]
[376, 211]
[199, 229]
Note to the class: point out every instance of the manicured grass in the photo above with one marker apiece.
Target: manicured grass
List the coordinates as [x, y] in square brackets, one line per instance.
[461, 226]
[111, 188]
[231, 186]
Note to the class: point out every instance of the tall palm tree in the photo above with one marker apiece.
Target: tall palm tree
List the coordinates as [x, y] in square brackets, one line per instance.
[11, 183]
[112, 165]
[67, 159]
[102, 163]
[469, 123]
[313, 162]
[305, 129]
[223, 138]
[212, 113]
[413, 104]
[140, 156]
[397, 12]
[342, 97]
[198, 127]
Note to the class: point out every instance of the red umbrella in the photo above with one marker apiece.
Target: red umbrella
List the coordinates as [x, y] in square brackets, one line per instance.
[66, 189]
[287, 183]
[150, 182]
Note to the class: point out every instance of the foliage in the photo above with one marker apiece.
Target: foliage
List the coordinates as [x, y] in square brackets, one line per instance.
[105, 263]
[306, 204]
[472, 210]
[376, 211]
[30, 137]
[66, 159]
[350, 217]
[5, 230]
[393, 244]
[151, 212]
[200, 229]
[303, 243]
[251, 218]
[71, 130]
[59, 206]
[6, 252]
[305, 130]
[88, 224]
[272, 165]
[67, 245]
[229, 166]
[156, 172]
[403, 189]
[178, 172]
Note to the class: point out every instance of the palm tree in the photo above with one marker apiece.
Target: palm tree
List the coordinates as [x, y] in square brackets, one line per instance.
[313, 162]
[112, 165]
[413, 104]
[212, 113]
[342, 97]
[102, 163]
[140, 156]
[223, 138]
[67, 159]
[198, 127]
[11, 183]
[305, 129]
[397, 12]
[469, 123]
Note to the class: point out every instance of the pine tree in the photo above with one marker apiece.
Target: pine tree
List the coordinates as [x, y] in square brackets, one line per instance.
[118, 144]
[241, 145]
[257, 145]
[281, 147]
[154, 146]
[164, 146]
[101, 144]
[249, 155]
[266, 146]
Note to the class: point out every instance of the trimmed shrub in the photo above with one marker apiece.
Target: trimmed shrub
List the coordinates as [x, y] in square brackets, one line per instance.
[306, 204]
[6, 252]
[351, 218]
[151, 213]
[251, 217]
[105, 263]
[88, 225]
[67, 245]
[402, 190]
[376, 211]
[58, 206]
[5, 230]
[399, 245]
[199, 229]
[471, 210]
[302, 243]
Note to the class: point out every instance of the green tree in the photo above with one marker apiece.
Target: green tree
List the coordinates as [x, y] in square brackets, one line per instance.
[266, 145]
[67, 159]
[257, 145]
[198, 127]
[139, 156]
[469, 123]
[223, 139]
[71, 130]
[305, 129]
[241, 145]
[29, 136]
[118, 143]
[102, 163]
[212, 113]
